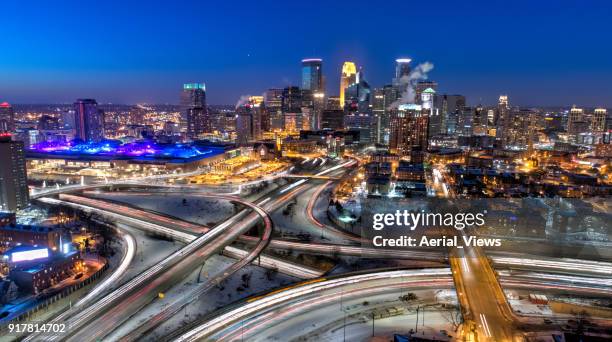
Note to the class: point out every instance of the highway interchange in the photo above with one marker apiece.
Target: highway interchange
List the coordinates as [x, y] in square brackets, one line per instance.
[486, 313]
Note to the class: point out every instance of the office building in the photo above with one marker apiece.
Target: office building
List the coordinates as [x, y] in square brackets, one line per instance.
[402, 68]
[312, 74]
[575, 115]
[348, 77]
[13, 177]
[401, 80]
[358, 112]
[332, 119]
[448, 107]
[333, 103]
[273, 103]
[598, 120]
[7, 118]
[291, 100]
[421, 86]
[195, 111]
[378, 113]
[89, 120]
[248, 120]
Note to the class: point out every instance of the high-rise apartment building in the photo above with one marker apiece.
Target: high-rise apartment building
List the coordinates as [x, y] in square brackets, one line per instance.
[88, 120]
[13, 177]
[409, 130]
[503, 119]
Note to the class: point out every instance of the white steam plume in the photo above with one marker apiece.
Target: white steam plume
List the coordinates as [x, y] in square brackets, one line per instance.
[417, 74]
[244, 99]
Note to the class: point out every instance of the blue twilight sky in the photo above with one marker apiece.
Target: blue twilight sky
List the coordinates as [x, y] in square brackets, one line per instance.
[538, 52]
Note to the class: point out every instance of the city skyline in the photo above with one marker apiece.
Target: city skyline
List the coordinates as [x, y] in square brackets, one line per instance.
[144, 60]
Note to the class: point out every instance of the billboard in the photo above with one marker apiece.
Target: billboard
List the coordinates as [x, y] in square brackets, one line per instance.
[29, 255]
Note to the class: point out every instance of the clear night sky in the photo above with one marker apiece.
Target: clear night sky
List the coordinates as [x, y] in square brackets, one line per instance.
[539, 52]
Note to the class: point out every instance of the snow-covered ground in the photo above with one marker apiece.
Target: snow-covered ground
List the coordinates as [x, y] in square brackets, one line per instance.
[327, 323]
[215, 299]
[149, 251]
[194, 209]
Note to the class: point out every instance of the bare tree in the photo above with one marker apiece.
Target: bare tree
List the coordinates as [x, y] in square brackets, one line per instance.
[453, 316]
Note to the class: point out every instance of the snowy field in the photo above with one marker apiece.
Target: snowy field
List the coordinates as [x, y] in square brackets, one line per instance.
[231, 290]
[194, 209]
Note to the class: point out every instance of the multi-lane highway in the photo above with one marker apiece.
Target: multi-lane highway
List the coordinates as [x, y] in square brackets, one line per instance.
[487, 315]
[186, 232]
[252, 318]
[101, 317]
[267, 310]
[176, 306]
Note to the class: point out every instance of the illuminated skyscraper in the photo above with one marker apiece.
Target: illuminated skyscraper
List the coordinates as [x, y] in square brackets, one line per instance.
[449, 107]
[248, 120]
[312, 74]
[378, 113]
[503, 117]
[421, 86]
[598, 121]
[408, 129]
[575, 115]
[7, 117]
[88, 120]
[348, 77]
[193, 103]
[313, 92]
[13, 178]
[402, 67]
[273, 102]
[292, 100]
[402, 70]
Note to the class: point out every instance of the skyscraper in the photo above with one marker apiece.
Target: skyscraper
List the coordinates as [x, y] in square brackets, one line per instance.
[402, 70]
[13, 179]
[358, 111]
[193, 103]
[402, 67]
[575, 115]
[598, 121]
[273, 103]
[408, 129]
[89, 120]
[312, 74]
[332, 119]
[448, 107]
[378, 113]
[7, 117]
[348, 77]
[421, 86]
[248, 120]
[503, 119]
